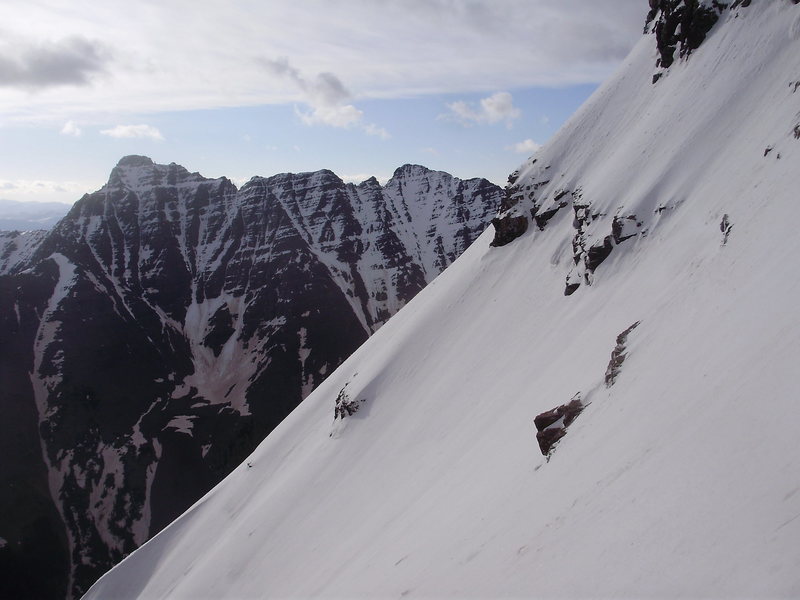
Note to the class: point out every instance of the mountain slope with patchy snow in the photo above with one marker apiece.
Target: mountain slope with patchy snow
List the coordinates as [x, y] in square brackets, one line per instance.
[680, 476]
[155, 336]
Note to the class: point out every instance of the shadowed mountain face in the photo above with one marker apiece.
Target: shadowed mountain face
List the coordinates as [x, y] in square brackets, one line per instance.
[153, 338]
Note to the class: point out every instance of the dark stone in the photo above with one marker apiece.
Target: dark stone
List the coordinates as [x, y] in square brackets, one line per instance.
[548, 438]
[618, 356]
[618, 229]
[550, 426]
[508, 228]
[598, 253]
[570, 288]
[725, 227]
[681, 25]
[344, 406]
[543, 217]
[220, 329]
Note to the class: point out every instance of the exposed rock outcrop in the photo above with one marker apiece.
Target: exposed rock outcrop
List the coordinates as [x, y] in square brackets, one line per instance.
[552, 425]
[618, 356]
[681, 25]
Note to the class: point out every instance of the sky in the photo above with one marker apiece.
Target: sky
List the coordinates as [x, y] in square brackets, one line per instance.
[258, 87]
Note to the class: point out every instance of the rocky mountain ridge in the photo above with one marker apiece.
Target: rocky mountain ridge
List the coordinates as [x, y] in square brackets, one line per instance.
[170, 321]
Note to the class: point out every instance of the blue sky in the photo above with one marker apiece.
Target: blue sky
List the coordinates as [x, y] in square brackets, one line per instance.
[245, 88]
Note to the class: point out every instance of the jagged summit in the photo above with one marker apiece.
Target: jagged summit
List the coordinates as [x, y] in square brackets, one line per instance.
[135, 160]
[662, 389]
[410, 169]
[140, 172]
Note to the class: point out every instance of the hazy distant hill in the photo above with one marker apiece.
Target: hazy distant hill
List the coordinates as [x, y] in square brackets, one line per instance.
[27, 216]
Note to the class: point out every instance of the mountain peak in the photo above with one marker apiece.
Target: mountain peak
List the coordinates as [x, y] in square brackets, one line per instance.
[411, 169]
[135, 160]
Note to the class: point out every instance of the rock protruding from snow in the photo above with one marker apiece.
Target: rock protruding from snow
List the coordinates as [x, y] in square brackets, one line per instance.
[681, 25]
[552, 425]
[618, 356]
[345, 406]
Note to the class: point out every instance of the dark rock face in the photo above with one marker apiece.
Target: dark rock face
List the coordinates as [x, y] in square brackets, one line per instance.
[618, 356]
[509, 224]
[590, 247]
[155, 336]
[508, 228]
[725, 227]
[552, 425]
[344, 405]
[681, 25]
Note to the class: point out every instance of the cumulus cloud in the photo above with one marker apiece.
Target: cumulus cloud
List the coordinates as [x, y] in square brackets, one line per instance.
[372, 129]
[134, 131]
[527, 146]
[327, 98]
[71, 128]
[69, 61]
[497, 108]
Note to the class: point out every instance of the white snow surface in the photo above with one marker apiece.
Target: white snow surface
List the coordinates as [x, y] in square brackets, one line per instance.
[680, 480]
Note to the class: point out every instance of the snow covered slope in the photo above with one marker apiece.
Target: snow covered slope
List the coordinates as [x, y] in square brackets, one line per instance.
[679, 479]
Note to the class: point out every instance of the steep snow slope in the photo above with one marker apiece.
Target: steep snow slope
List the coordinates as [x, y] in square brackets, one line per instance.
[681, 479]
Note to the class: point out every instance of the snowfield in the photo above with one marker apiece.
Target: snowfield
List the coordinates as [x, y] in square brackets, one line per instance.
[680, 480]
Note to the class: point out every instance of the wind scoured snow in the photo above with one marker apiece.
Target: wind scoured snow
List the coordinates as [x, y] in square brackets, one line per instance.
[681, 480]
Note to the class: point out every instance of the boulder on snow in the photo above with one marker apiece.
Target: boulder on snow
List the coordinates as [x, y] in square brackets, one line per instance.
[552, 425]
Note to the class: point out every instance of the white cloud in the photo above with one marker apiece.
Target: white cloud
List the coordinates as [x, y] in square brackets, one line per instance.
[326, 96]
[46, 190]
[335, 116]
[71, 128]
[527, 146]
[499, 107]
[479, 46]
[372, 129]
[134, 131]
